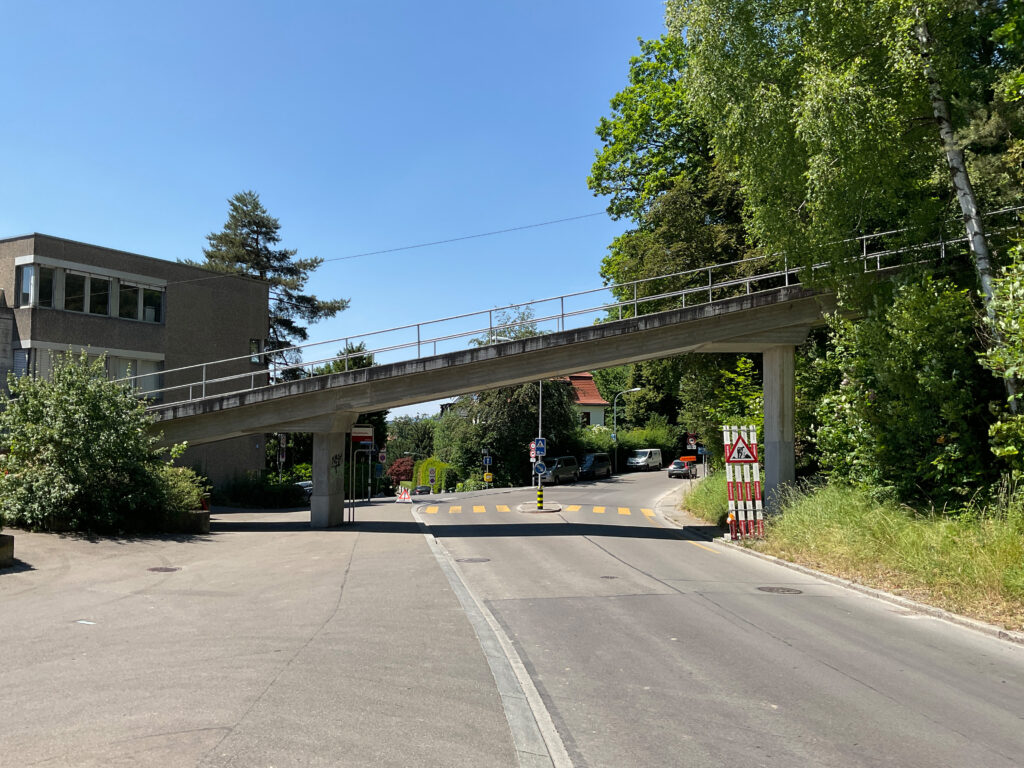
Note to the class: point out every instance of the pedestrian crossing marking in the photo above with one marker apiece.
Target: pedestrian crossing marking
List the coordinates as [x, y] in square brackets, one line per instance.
[479, 510]
[648, 512]
[624, 510]
[598, 510]
[502, 508]
[454, 510]
[431, 510]
[573, 508]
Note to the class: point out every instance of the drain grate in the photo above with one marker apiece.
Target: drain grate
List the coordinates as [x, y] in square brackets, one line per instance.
[781, 590]
[472, 560]
[164, 569]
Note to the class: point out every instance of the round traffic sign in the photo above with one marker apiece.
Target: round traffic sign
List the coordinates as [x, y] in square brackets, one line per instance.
[539, 468]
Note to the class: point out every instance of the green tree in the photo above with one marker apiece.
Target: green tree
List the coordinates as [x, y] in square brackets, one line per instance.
[910, 413]
[410, 436]
[249, 245]
[505, 421]
[1006, 359]
[78, 453]
[838, 119]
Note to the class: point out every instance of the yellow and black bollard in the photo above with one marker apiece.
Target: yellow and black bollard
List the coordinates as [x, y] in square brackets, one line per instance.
[540, 496]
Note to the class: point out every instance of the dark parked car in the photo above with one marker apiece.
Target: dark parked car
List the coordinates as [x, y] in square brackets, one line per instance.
[682, 469]
[420, 490]
[561, 469]
[596, 465]
[307, 488]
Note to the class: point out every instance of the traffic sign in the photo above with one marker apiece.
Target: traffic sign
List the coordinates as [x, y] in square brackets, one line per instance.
[539, 468]
[487, 461]
[741, 453]
[382, 457]
[433, 475]
[691, 441]
[541, 446]
[488, 477]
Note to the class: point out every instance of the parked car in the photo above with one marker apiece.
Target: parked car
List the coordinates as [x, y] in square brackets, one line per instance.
[680, 468]
[420, 490]
[645, 459]
[307, 488]
[561, 468]
[596, 465]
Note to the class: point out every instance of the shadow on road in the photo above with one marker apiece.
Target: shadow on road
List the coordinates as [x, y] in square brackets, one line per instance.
[499, 530]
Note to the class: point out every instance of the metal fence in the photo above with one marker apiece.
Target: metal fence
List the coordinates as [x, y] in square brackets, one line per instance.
[703, 285]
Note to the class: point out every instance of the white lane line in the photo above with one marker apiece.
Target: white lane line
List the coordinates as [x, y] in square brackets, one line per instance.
[533, 733]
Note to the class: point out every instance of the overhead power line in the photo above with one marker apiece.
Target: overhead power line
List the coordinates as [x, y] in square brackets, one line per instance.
[417, 245]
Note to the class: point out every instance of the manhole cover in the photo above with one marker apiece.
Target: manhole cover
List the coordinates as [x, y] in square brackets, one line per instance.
[164, 569]
[781, 590]
[472, 560]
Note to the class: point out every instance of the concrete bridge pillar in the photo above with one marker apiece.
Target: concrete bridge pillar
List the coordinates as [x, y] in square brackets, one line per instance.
[779, 405]
[330, 452]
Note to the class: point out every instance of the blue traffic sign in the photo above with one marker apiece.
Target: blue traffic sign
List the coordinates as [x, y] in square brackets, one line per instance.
[540, 446]
[539, 468]
[487, 461]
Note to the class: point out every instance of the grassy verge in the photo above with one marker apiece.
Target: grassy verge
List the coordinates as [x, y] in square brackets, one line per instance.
[972, 564]
[708, 500]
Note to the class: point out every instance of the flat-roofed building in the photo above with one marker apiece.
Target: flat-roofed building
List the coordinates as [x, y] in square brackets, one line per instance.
[148, 316]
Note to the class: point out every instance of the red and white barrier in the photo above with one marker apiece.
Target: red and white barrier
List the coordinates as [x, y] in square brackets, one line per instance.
[743, 481]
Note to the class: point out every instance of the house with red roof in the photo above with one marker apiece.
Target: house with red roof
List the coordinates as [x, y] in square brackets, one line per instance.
[589, 402]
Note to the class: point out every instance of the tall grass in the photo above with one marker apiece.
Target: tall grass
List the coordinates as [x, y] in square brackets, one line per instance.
[708, 499]
[970, 563]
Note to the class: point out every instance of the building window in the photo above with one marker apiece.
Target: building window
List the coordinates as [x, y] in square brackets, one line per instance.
[149, 377]
[74, 292]
[23, 279]
[128, 307]
[152, 305]
[584, 418]
[46, 282]
[99, 296]
[20, 362]
[254, 351]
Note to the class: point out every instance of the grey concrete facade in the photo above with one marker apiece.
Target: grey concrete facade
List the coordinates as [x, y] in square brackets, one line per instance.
[147, 315]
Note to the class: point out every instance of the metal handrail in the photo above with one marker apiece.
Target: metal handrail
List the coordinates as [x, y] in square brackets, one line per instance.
[275, 371]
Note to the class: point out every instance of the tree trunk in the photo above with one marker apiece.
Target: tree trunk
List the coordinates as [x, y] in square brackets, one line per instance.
[961, 183]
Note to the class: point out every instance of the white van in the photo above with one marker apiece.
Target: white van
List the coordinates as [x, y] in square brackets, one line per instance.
[645, 459]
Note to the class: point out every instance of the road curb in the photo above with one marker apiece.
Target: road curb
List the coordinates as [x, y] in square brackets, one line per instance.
[930, 610]
[532, 507]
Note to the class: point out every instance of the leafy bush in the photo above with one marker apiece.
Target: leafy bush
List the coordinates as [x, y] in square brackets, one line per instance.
[79, 455]
[708, 499]
[910, 413]
[400, 470]
[445, 475]
[472, 484]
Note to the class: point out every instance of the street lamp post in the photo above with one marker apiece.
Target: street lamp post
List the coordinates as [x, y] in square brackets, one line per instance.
[615, 426]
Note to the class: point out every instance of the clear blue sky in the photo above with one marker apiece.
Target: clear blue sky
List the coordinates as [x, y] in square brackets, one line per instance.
[363, 126]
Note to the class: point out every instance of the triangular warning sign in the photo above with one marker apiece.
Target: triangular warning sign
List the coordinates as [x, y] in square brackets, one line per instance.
[740, 452]
[403, 495]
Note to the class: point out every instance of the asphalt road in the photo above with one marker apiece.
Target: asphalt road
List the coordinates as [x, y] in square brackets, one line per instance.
[652, 647]
[595, 636]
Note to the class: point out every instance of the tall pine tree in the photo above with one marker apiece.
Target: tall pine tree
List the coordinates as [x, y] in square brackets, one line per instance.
[248, 245]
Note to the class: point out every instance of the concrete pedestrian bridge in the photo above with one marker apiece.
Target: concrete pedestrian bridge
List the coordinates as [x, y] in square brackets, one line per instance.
[749, 306]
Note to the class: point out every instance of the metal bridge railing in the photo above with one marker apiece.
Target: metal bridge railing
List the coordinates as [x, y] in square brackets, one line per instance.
[579, 309]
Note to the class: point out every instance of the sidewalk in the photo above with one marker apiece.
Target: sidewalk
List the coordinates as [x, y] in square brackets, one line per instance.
[262, 643]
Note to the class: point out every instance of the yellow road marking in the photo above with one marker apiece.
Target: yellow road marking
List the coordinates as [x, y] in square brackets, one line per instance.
[624, 510]
[431, 510]
[573, 508]
[454, 510]
[502, 508]
[478, 509]
[648, 512]
[697, 544]
[598, 510]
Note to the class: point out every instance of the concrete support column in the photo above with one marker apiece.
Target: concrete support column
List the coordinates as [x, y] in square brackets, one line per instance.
[779, 404]
[327, 504]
